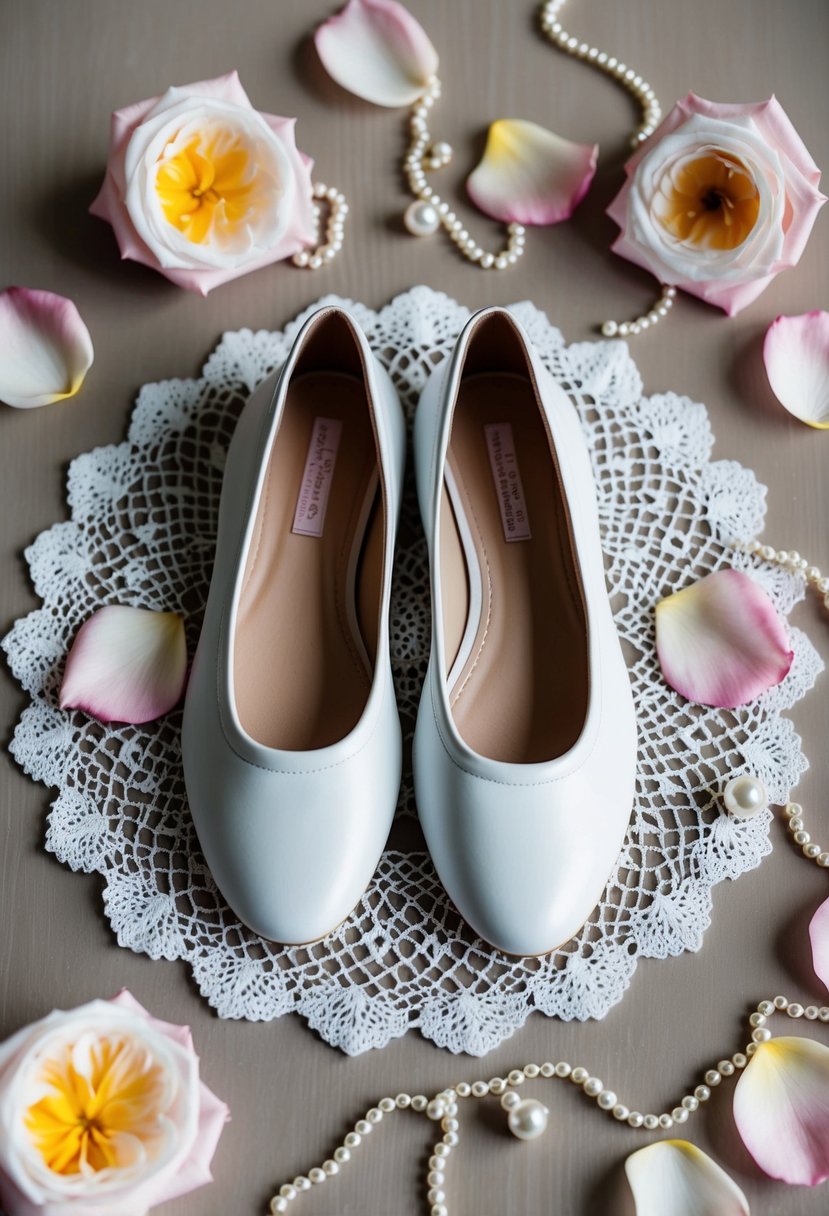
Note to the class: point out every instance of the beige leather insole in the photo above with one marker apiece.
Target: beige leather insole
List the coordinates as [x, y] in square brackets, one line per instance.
[306, 632]
[521, 694]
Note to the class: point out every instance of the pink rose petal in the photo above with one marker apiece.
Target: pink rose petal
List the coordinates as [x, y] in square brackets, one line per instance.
[819, 936]
[781, 1108]
[378, 51]
[529, 175]
[796, 355]
[46, 348]
[126, 665]
[721, 641]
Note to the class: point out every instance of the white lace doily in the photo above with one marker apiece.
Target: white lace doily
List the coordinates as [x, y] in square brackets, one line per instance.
[142, 530]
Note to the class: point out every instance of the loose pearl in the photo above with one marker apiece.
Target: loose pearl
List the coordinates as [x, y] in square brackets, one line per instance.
[510, 1100]
[421, 219]
[744, 796]
[528, 1120]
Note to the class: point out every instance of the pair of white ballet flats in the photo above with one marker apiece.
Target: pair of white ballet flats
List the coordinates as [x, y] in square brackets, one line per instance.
[525, 746]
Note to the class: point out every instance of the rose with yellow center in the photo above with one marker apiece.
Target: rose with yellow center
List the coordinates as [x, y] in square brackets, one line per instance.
[104, 1105]
[102, 1109]
[203, 187]
[719, 200]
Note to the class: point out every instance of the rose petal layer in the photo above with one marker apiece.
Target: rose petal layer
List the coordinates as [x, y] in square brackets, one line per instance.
[529, 175]
[378, 51]
[126, 665]
[674, 1178]
[721, 641]
[796, 355]
[781, 1108]
[46, 348]
[819, 936]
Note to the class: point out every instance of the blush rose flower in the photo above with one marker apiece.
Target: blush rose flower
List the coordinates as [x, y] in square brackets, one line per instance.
[101, 1111]
[719, 200]
[202, 187]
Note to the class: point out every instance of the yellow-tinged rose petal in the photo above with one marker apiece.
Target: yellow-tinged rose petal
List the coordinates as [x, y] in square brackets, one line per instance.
[781, 1108]
[796, 355]
[126, 665]
[721, 641]
[378, 51]
[674, 1178]
[529, 175]
[45, 348]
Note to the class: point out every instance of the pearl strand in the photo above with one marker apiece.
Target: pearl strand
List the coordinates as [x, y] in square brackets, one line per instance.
[627, 77]
[527, 1117]
[429, 211]
[612, 329]
[642, 92]
[816, 581]
[313, 259]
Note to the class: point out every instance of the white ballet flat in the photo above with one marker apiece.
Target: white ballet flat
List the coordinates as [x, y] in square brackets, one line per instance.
[291, 739]
[525, 746]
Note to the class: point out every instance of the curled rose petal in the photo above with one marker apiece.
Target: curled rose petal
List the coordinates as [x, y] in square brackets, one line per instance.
[721, 641]
[819, 936]
[528, 175]
[674, 1178]
[46, 347]
[796, 354]
[126, 665]
[378, 51]
[781, 1108]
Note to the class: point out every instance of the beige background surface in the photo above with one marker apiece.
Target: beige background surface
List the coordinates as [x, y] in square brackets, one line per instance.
[64, 64]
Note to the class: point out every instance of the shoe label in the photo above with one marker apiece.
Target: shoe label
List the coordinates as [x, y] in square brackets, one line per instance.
[311, 504]
[507, 478]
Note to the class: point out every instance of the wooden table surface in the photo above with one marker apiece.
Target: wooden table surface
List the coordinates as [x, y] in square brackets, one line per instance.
[64, 65]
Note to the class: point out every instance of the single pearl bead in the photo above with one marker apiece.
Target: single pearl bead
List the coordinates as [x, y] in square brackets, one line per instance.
[421, 219]
[441, 152]
[745, 796]
[510, 1100]
[609, 329]
[528, 1120]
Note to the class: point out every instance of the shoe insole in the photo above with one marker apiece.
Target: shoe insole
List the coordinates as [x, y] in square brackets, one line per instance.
[513, 614]
[306, 631]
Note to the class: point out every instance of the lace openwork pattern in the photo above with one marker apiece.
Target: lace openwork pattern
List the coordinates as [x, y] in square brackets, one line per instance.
[142, 530]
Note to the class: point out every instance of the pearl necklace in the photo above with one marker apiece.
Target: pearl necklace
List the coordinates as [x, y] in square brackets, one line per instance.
[313, 259]
[651, 116]
[527, 1118]
[788, 559]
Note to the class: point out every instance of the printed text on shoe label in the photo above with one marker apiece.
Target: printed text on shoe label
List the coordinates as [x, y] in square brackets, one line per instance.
[507, 478]
[311, 504]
